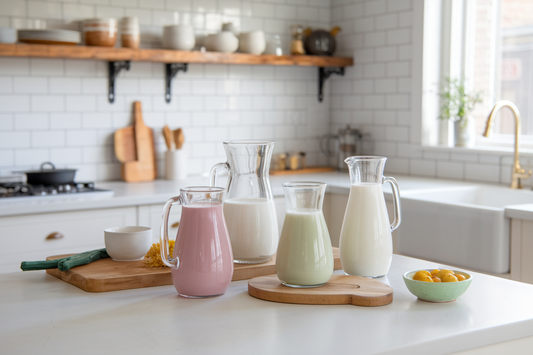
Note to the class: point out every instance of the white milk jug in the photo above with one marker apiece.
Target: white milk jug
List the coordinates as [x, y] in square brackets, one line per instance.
[365, 243]
[249, 208]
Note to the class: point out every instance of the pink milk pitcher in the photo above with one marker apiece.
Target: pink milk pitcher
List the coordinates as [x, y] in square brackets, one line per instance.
[202, 261]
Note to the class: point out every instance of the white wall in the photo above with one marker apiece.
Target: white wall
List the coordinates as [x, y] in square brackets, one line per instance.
[57, 109]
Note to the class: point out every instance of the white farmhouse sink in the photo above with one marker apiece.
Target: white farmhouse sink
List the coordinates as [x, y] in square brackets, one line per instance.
[462, 226]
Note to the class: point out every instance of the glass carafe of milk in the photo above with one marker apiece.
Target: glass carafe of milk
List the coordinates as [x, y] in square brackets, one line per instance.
[365, 243]
[305, 257]
[249, 207]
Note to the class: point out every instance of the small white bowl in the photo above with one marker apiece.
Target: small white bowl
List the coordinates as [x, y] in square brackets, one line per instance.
[8, 35]
[224, 41]
[179, 37]
[252, 42]
[127, 243]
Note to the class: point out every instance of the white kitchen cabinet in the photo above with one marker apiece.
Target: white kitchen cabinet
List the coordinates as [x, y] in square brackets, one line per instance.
[37, 236]
[522, 250]
[152, 216]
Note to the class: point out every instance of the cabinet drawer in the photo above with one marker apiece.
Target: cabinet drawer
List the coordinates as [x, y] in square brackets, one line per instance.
[34, 237]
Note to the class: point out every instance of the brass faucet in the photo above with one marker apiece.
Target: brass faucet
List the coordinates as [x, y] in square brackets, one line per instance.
[518, 173]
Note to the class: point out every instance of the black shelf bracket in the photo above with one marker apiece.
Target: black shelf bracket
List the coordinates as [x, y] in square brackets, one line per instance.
[114, 69]
[171, 70]
[325, 73]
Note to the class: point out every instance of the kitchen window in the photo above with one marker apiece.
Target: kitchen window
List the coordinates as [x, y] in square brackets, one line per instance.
[490, 44]
[503, 63]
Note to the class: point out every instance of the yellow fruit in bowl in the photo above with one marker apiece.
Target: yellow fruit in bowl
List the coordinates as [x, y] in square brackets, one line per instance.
[443, 272]
[449, 278]
[434, 272]
[436, 279]
[422, 275]
[460, 277]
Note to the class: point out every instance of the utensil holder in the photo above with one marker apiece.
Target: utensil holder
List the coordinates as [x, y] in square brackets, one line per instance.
[175, 164]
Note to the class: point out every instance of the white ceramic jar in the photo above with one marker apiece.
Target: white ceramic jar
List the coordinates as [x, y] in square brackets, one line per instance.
[224, 41]
[252, 42]
[179, 37]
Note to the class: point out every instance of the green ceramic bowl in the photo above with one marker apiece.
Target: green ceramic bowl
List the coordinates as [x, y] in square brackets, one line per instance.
[437, 291]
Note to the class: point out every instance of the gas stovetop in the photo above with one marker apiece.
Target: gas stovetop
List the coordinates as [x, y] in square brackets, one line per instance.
[22, 192]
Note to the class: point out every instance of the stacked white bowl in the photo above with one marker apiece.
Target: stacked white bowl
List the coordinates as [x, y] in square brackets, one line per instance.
[130, 33]
[179, 37]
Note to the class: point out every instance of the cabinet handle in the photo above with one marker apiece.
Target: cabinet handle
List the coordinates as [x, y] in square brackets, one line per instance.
[54, 235]
[175, 225]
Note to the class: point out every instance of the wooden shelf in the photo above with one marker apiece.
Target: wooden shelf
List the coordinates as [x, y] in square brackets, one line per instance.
[166, 56]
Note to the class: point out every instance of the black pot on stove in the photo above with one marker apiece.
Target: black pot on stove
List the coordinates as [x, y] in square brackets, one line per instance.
[50, 176]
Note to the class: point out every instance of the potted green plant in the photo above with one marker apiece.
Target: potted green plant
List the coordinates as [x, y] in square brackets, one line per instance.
[456, 105]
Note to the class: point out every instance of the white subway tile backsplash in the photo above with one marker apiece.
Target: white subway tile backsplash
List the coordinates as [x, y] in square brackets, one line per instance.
[14, 66]
[76, 103]
[450, 170]
[398, 5]
[31, 157]
[31, 121]
[14, 8]
[387, 21]
[485, 173]
[78, 12]
[423, 167]
[374, 7]
[48, 67]
[30, 85]
[81, 138]
[6, 85]
[64, 85]
[43, 139]
[14, 103]
[14, 140]
[65, 120]
[61, 105]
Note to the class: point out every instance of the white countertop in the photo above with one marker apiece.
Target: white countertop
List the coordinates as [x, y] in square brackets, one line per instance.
[158, 191]
[44, 315]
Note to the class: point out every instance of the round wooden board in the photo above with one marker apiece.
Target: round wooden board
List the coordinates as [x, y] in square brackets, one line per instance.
[340, 289]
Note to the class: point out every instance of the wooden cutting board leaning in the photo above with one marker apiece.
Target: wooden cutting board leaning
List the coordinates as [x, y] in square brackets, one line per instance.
[108, 275]
[134, 148]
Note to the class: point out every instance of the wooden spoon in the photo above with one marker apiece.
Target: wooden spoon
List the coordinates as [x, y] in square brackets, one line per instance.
[179, 138]
[169, 139]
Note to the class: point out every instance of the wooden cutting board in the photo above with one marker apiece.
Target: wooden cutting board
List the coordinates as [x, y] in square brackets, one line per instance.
[340, 289]
[134, 148]
[108, 275]
[309, 170]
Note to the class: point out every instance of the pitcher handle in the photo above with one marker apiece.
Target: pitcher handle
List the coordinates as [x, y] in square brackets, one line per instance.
[396, 201]
[164, 250]
[213, 172]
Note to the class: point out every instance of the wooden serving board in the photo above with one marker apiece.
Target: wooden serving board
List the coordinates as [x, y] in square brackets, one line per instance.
[108, 275]
[309, 170]
[340, 289]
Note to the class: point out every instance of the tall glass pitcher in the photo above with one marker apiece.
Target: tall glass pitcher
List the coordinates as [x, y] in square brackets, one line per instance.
[365, 243]
[202, 263]
[249, 207]
[305, 257]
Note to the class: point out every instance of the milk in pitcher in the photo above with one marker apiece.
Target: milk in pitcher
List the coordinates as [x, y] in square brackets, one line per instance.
[253, 229]
[366, 241]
